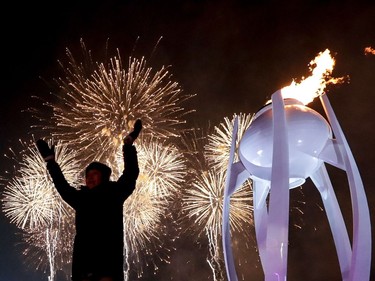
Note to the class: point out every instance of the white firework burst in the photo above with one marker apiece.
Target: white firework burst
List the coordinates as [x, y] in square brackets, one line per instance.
[218, 146]
[31, 202]
[98, 104]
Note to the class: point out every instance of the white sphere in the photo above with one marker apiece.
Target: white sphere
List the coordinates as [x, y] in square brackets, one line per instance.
[308, 133]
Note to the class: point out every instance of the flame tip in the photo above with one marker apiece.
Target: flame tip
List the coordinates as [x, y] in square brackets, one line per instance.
[309, 88]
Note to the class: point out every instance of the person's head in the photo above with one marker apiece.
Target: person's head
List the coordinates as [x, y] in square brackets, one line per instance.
[97, 173]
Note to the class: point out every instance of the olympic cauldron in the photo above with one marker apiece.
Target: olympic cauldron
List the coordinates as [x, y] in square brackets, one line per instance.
[286, 143]
[308, 132]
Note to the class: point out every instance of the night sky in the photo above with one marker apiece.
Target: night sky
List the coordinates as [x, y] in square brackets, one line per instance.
[232, 55]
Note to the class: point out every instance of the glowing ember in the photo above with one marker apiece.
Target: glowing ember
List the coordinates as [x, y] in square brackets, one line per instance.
[369, 51]
[313, 86]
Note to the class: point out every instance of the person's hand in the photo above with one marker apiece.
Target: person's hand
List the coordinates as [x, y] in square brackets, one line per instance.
[48, 153]
[129, 139]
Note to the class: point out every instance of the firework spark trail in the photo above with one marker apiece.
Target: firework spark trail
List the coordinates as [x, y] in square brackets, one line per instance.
[203, 201]
[99, 104]
[31, 202]
[143, 213]
[216, 261]
[49, 247]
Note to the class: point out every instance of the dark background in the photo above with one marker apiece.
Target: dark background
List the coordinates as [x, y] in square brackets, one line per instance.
[233, 55]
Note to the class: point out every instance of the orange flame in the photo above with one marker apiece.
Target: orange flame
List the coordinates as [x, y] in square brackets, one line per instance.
[369, 51]
[313, 86]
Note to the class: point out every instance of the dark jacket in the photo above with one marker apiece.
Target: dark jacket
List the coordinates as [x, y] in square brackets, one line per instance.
[99, 240]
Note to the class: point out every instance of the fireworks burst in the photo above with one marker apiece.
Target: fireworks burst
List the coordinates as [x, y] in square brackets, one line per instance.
[161, 165]
[203, 204]
[218, 146]
[203, 201]
[99, 103]
[31, 202]
[164, 168]
[162, 171]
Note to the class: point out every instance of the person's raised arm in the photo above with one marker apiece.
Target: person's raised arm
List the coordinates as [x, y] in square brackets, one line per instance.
[131, 137]
[131, 168]
[67, 192]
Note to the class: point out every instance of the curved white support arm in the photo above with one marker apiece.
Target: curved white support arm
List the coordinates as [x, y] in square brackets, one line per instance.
[278, 215]
[361, 245]
[339, 232]
[260, 193]
[236, 176]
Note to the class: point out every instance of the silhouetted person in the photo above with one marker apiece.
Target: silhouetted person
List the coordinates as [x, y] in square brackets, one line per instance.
[99, 241]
